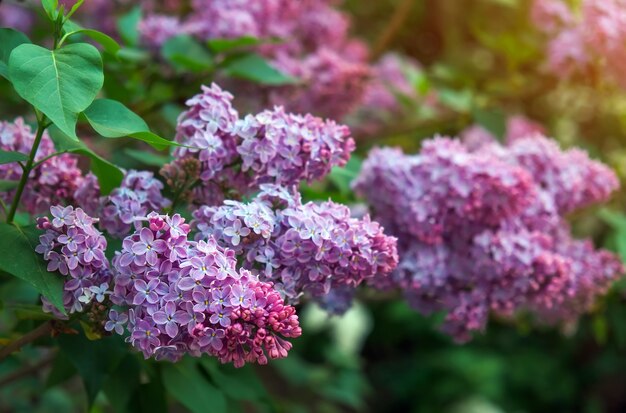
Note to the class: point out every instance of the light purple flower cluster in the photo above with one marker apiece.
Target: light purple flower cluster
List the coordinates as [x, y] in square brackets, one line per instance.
[139, 193]
[304, 248]
[185, 297]
[484, 231]
[237, 155]
[594, 37]
[53, 182]
[75, 248]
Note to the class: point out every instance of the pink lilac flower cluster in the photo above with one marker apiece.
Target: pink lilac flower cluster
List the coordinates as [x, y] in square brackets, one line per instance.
[517, 127]
[596, 36]
[53, 182]
[237, 155]
[304, 248]
[314, 48]
[484, 231]
[139, 193]
[74, 247]
[185, 297]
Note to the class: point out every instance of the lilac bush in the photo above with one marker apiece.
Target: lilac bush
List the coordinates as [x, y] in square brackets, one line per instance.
[483, 230]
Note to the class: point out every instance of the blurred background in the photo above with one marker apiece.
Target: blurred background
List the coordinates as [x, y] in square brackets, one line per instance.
[468, 62]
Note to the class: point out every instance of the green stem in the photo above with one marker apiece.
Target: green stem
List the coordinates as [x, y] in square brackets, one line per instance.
[41, 127]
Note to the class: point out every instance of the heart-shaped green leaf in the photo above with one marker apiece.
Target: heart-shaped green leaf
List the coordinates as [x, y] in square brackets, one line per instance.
[9, 40]
[112, 119]
[227, 45]
[23, 262]
[256, 69]
[10, 157]
[109, 176]
[107, 42]
[60, 83]
[185, 383]
[185, 53]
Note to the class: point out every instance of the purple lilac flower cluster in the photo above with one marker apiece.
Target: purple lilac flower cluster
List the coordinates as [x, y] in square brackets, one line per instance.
[53, 182]
[315, 47]
[304, 248]
[184, 297]
[75, 248]
[139, 193]
[484, 231]
[237, 155]
[577, 41]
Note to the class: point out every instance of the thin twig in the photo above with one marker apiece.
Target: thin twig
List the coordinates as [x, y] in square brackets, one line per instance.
[27, 370]
[41, 331]
[393, 27]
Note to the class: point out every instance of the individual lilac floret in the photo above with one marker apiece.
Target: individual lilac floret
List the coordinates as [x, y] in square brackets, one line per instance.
[138, 193]
[304, 248]
[473, 246]
[441, 190]
[53, 182]
[186, 297]
[75, 248]
[235, 155]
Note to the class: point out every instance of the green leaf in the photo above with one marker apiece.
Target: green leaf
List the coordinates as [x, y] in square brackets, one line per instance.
[112, 119]
[109, 175]
[74, 8]
[123, 383]
[9, 40]
[238, 384]
[149, 398]
[127, 26]
[107, 42]
[62, 370]
[23, 262]
[7, 185]
[10, 157]
[256, 69]
[343, 177]
[493, 121]
[185, 383]
[95, 361]
[184, 52]
[50, 6]
[60, 83]
[227, 45]
[148, 158]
